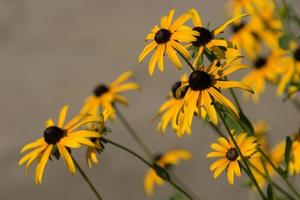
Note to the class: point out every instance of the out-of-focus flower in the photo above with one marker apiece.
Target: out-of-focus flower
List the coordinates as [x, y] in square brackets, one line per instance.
[204, 85]
[229, 156]
[265, 69]
[294, 165]
[106, 95]
[59, 140]
[209, 40]
[167, 39]
[165, 160]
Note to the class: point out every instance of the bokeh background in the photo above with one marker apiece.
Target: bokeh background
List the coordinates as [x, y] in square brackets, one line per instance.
[54, 52]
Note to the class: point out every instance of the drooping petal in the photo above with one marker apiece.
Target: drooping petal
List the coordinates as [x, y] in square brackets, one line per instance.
[62, 116]
[147, 50]
[41, 165]
[233, 84]
[223, 26]
[66, 157]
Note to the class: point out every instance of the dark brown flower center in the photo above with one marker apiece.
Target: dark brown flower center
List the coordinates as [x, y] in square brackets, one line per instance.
[200, 80]
[232, 154]
[297, 54]
[182, 91]
[53, 134]
[100, 90]
[260, 62]
[237, 27]
[205, 36]
[162, 36]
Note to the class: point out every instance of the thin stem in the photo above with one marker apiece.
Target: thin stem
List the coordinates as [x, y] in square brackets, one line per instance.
[87, 179]
[133, 134]
[279, 173]
[105, 140]
[251, 176]
[216, 128]
[236, 100]
[278, 187]
[187, 61]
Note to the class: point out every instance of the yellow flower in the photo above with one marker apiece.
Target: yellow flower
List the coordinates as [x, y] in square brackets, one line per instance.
[265, 69]
[238, 7]
[166, 160]
[245, 38]
[204, 86]
[294, 165]
[167, 38]
[291, 72]
[171, 109]
[61, 137]
[208, 40]
[228, 155]
[106, 95]
[91, 152]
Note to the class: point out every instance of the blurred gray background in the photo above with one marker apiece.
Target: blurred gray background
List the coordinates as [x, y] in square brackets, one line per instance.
[55, 52]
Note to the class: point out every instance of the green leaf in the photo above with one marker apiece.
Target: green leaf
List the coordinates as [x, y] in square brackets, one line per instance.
[282, 172]
[284, 41]
[270, 192]
[55, 152]
[161, 172]
[287, 152]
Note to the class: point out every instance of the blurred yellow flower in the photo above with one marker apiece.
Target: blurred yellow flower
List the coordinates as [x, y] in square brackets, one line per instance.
[229, 156]
[168, 38]
[106, 95]
[265, 69]
[59, 139]
[294, 166]
[165, 160]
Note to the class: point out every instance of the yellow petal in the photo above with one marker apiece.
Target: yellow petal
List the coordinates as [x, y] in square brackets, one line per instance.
[172, 55]
[125, 87]
[230, 173]
[122, 78]
[196, 18]
[179, 21]
[147, 50]
[62, 116]
[153, 61]
[33, 145]
[41, 165]
[234, 68]
[49, 123]
[66, 157]
[85, 133]
[223, 26]
[233, 84]
[32, 154]
[210, 109]
[180, 49]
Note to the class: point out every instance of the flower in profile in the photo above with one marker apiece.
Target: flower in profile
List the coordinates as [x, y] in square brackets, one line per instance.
[204, 86]
[229, 157]
[58, 140]
[91, 151]
[208, 40]
[265, 69]
[291, 72]
[170, 111]
[106, 95]
[294, 165]
[165, 160]
[167, 38]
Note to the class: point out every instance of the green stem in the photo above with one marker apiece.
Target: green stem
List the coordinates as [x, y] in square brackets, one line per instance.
[133, 134]
[187, 61]
[251, 176]
[275, 185]
[235, 99]
[87, 179]
[105, 140]
[279, 173]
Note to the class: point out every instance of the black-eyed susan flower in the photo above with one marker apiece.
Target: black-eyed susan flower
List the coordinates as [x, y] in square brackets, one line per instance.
[167, 39]
[291, 72]
[170, 111]
[91, 152]
[265, 69]
[59, 139]
[229, 156]
[208, 40]
[106, 95]
[165, 160]
[204, 87]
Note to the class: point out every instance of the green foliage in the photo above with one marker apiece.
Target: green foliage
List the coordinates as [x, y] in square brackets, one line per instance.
[270, 192]
[287, 152]
[284, 41]
[161, 172]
